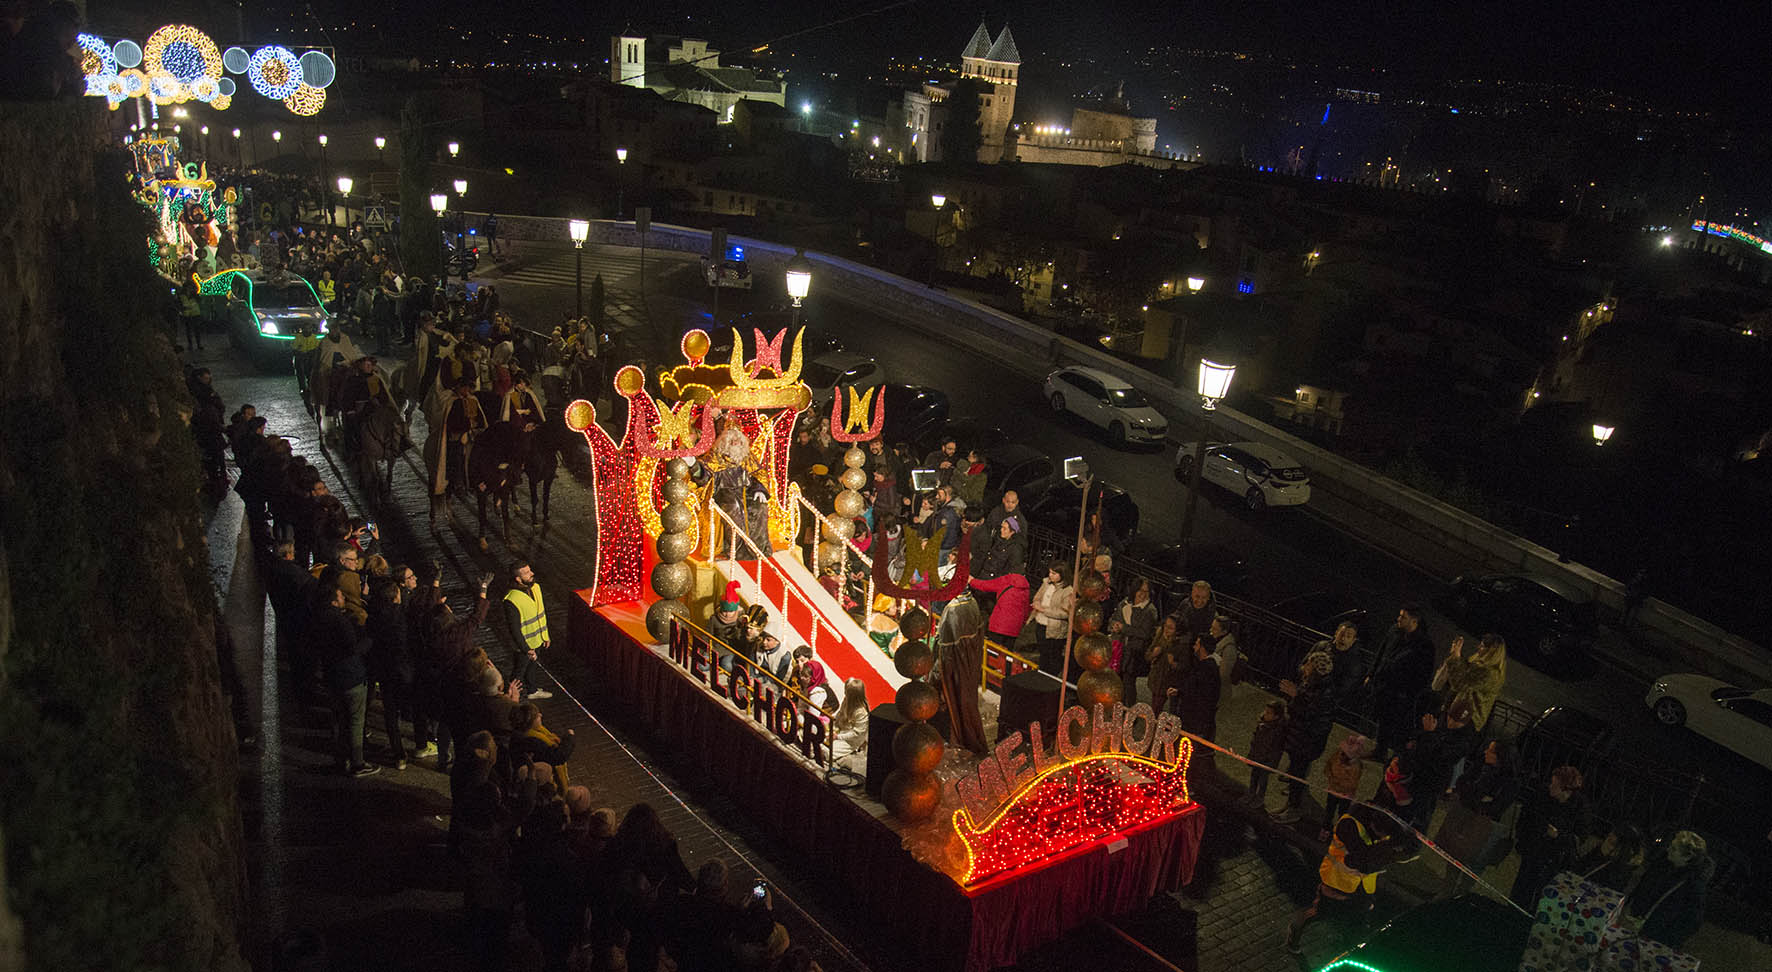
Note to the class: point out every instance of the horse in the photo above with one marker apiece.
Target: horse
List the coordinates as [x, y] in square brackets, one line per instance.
[542, 463]
[494, 468]
[381, 438]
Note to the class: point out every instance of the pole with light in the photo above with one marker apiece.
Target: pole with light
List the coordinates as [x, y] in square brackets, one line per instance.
[799, 281]
[1602, 433]
[205, 143]
[461, 229]
[440, 205]
[325, 193]
[344, 191]
[621, 158]
[454, 149]
[239, 153]
[580, 230]
[1214, 384]
[380, 144]
[1076, 472]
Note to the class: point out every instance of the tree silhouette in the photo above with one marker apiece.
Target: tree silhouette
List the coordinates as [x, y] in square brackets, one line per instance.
[960, 139]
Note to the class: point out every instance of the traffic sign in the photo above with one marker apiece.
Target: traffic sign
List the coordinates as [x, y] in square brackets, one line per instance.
[375, 217]
[643, 218]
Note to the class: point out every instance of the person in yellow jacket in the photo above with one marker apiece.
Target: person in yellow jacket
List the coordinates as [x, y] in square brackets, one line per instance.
[1364, 843]
[327, 288]
[526, 618]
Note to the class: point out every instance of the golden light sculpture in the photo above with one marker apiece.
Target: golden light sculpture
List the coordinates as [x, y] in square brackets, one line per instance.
[307, 100]
[192, 54]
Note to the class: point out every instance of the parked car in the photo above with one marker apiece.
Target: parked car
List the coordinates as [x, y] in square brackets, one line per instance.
[1178, 566]
[1024, 469]
[913, 412]
[265, 311]
[1106, 401]
[824, 372]
[1324, 611]
[1470, 933]
[818, 339]
[1561, 736]
[1541, 617]
[969, 433]
[1057, 508]
[1261, 474]
[1735, 718]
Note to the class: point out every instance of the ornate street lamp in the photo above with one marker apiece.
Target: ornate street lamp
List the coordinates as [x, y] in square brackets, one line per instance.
[1602, 433]
[799, 280]
[580, 230]
[344, 190]
[1214, 383]
[440, 205]
[454, 149]
[1195, 283]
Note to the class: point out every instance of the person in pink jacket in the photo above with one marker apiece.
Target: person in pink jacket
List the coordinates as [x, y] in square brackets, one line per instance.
[1014, 604]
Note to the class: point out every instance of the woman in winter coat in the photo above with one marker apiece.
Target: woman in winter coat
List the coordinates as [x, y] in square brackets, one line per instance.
[1311, 717]
[1476, 680]
[1483, 797]
[1052, 610]
[1012, 607]
[1669, 900]
[1165, 658]
[1138, 623]
[969, 481]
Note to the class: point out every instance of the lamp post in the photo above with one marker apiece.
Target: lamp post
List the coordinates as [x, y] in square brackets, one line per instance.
[1076, 472]
[1214, 383]
[454, 149]
[1602, 433]
[799, 280]
[325, 194]
[1195, 284]
[344, 190]
[277, 136]
[439, 205]
[621, 158]
[205, 131]
[461, 187]
[239, 153]
[580, 230]
[381, 143]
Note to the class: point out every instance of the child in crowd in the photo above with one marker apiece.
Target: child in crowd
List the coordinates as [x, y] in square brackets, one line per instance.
[1341, 774]
[1265, 747]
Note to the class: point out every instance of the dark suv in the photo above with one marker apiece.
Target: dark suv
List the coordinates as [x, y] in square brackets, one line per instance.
[1541, 617]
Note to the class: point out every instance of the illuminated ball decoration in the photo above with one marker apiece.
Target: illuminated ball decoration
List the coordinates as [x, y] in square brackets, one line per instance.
[225, 87]
[96, 57]
[914, 625]
[222, 102]
[913, 659]
[182, 51]
[236, 60]
[307, 100]
[911, 796]
[580, 415]
[274, 72]
[164, 89]
[918, 748]
[134, 82]
[317, 68]
[128, 54]
[673, 577]
[917, 701]
[1093, 651]
[1099, 687]
[204, 89]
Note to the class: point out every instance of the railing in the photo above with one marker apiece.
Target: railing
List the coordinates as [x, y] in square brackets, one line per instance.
[849, 549]
[1000, 663]
[734, 535]
[808, 708]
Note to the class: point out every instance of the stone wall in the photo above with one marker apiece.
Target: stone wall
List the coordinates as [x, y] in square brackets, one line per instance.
[117, 807]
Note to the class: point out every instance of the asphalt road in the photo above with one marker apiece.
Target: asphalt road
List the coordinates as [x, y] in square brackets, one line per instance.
[1288, 552]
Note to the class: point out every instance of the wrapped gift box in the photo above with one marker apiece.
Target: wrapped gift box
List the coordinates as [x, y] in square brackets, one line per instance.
[1567, 931]
[1624, 953]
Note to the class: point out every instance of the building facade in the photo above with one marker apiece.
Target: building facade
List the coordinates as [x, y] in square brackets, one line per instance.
[686, 69]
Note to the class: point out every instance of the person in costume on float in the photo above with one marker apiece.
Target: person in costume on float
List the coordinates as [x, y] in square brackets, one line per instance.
[959, 659]
[729, 627]
[738, 492]
[448, 446]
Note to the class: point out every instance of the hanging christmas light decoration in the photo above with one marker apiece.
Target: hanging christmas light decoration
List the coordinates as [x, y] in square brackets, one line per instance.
[182, 51]
[236, 60]
[205, 88]
[222, 102]
[128, 54]
[135, 83]
[274, 72]
[164, 89]
[96, 57]
[225, 87]
[306, 100]
[317, 68]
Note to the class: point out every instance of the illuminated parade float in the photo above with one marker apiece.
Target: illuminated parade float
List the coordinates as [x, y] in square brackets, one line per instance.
[969, 852]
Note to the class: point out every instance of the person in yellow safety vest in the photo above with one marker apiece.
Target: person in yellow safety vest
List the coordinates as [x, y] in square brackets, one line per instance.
[1365, 842]
[526, 617]
[327, 288]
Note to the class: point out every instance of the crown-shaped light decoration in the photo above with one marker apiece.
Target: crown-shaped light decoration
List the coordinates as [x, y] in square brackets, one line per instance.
[852, 425]
[761, 398]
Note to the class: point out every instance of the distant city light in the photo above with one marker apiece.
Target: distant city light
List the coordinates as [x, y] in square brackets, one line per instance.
[1667, 241]
[805, 107]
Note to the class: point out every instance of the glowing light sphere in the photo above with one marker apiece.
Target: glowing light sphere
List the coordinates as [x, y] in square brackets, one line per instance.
[225, 87]
[134, 82]
[96, 57]
[182, 51]
[205, 88]
[306, 100]
[164, 89]
[222, 102]
[317, 69]
[274, 72]
[235, 59]
[128, 54]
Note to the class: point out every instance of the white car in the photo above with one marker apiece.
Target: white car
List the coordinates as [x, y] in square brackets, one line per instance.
[824, 372]
[1106, 401]
[1731, 717]
[1262, 475]
[733, 274]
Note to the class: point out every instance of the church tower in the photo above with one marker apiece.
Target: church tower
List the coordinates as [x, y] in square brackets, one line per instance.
[995, 64]
[627, 60]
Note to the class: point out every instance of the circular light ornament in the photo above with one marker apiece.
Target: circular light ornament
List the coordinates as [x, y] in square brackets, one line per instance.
[135, 83]
[306, 100]
[274, 72]
[317, 69]
[96, 57]
[182, 51]
[222, 102]
[128, 54]
[225, 87]
[164, 89]
[204, 88]
[236, 60]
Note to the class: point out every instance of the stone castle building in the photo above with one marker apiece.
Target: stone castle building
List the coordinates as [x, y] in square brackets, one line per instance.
[685, 69]
[996, 66]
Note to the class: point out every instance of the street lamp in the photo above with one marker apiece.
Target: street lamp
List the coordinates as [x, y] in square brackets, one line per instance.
[1195, 283]
[937, 200]
[454, 149]
[277, 136]
[239, 154]
[461, 187]
[1076, 472]
[1602, 433]
[799, 280]
[621, 158]
[1214, 384]
[580, 230]
[344, 189]
[439, 205]
[621, 155]
[325, 197]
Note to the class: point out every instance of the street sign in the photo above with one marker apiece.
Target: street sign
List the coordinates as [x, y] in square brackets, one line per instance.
[375, 217]
[643, 218]
[717, 243]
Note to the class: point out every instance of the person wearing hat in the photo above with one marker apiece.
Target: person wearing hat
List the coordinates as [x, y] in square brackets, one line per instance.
[772, 657]
[1311, 717]
[728, 625]
[451, 442]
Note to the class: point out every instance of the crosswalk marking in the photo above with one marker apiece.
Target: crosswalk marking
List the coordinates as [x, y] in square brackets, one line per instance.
[560, 270]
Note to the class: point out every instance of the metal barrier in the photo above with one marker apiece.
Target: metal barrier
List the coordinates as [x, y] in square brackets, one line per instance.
[1000, 663]
[808, 708]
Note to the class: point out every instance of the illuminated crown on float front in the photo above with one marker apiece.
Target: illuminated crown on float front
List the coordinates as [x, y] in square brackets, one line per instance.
[628, 475]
